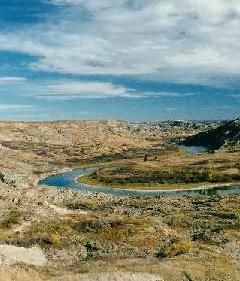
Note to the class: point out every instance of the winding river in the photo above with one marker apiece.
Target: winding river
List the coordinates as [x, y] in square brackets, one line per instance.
[69, 180]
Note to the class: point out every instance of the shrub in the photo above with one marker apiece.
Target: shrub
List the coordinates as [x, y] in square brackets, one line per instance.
[2, 177]
[49, 233]
[12, 218]
[91, 250]
[95, 225]
[173, 247]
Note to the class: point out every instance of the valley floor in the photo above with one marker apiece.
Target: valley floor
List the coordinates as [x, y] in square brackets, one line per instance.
[62, 234]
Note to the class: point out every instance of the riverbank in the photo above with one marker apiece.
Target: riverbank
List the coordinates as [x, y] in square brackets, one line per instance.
[70, 180]
[176, 170]
[87, 180]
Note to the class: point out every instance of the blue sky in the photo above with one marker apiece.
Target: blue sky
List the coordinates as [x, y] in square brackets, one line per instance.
[126, 59]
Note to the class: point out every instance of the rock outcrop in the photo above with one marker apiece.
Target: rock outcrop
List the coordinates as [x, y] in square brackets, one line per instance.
[227, 134]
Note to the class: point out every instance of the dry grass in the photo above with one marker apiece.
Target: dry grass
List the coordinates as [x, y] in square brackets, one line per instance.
[178, 238]
[19, 274]
[168, 172]
[11, 218]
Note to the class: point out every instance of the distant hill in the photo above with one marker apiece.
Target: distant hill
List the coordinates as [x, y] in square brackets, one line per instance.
[225, 134]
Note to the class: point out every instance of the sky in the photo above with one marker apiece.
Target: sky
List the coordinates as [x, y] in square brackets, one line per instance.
[136, 60]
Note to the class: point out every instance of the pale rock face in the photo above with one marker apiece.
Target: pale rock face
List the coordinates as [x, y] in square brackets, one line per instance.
[114, 276]
[10, 255]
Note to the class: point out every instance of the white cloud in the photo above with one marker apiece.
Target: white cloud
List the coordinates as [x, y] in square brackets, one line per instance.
[15, 107]
[11, 80]
[135, 37]
[73, 90]
[67, 90]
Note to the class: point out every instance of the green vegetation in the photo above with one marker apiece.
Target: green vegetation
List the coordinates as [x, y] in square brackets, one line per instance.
[157, 175]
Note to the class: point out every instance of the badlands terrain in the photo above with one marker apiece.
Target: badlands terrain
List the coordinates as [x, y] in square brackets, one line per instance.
[49, 233]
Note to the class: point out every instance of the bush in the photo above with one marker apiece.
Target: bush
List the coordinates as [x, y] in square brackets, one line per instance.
[49, 233]
[12, 218]
[173, 247]
[95, 225]
[91, 250]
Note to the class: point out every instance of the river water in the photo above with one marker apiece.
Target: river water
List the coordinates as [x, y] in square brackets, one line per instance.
[194, 149]
[68, 180]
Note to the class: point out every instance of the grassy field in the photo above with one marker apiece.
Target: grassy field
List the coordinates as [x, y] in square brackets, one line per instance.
[176, 170]
[88, 180]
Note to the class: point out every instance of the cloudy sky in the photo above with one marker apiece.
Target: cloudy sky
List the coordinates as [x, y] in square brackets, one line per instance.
[119, 59]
